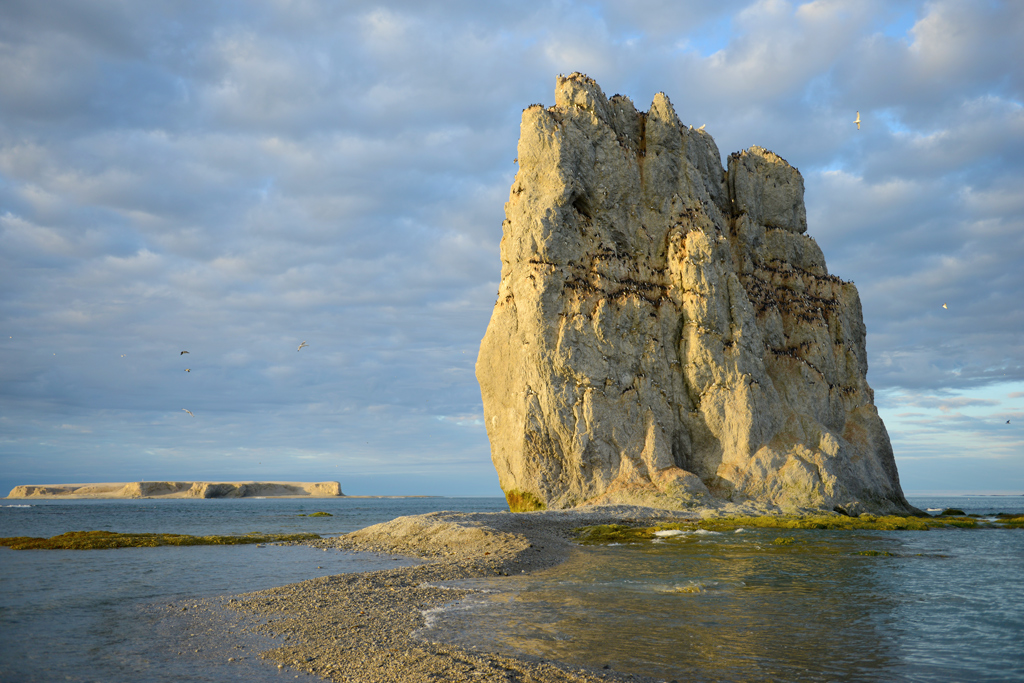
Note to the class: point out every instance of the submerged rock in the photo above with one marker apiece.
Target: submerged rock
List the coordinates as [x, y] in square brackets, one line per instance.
[665, 332]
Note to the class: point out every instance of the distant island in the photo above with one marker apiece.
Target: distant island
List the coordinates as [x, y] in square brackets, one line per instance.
[182, 489]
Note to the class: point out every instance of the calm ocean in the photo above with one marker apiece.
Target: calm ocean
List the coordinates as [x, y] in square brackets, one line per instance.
[936, 606]
[87, 616]
[941, 606]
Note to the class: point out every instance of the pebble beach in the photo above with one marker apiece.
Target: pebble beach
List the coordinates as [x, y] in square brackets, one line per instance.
[362, 627]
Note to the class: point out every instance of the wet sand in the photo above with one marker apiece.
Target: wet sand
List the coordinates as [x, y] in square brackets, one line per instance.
[362, 627]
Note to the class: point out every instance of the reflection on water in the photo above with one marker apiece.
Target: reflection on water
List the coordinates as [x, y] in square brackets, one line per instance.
[93, 615]
[943, 605]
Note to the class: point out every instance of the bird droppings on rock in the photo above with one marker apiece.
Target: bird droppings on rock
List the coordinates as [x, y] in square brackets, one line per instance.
[665, 331]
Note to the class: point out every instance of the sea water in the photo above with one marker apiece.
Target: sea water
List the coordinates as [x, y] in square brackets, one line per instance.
[91, 615]
[938, 605]
[941, 606]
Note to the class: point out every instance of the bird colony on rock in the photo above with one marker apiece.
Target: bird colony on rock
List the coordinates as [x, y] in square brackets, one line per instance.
[665, 332]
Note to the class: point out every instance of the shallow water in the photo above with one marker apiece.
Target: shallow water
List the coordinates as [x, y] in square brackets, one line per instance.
[943, 605]
[976, 505]
[220, 516]
[91, 615]
[946, 605]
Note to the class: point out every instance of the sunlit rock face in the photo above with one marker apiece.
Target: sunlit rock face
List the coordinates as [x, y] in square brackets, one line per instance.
[665, 332]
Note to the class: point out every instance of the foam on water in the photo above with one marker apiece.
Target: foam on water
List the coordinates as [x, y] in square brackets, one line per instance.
[665, 533]
[672, 533]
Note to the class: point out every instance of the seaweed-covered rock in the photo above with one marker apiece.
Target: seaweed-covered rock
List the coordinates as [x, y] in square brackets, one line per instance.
[665, 332]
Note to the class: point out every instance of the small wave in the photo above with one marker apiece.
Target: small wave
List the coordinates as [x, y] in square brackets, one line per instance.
[933, 510]
[444, 587]
[707, 532]
[690, 587]
[429, 618]
[17, 506]
[432, 615]
[666, 533]
[741, 529]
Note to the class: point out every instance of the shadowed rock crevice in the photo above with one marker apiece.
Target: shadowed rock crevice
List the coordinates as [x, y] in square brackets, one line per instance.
[665, 331]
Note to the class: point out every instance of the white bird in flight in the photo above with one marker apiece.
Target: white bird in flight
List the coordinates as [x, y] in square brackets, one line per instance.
[944, 306]
[188, 370]
[857, 121]
[301, 345]
[188, 411]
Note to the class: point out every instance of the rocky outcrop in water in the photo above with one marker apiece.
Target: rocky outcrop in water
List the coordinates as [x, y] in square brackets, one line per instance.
[665, 332]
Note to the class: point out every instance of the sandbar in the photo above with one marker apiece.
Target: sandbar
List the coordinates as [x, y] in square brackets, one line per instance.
[362, 627]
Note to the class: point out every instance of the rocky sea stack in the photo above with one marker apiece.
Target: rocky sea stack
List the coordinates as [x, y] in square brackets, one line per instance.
[665, 332]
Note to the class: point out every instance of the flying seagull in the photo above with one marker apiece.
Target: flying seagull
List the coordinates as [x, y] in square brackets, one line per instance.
[183, 353]
[301, 345]
[857, 121]
[188, 411]
[944, 306]
[188, 369]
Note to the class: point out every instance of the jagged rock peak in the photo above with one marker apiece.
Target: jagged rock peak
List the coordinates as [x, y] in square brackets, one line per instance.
[767, 189]
[665, 332]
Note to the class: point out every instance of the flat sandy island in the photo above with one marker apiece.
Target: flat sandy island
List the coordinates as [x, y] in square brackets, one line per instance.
[362, 627]
[181, 489]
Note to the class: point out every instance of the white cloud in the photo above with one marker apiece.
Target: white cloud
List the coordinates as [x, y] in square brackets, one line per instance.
[234, 182]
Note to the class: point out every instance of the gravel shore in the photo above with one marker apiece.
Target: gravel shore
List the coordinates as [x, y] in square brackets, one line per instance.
[362, 627]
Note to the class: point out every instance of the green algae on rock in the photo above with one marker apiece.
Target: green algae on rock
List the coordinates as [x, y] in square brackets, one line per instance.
[613, 533]
[825, 521]
[103, 540]
[523, 501]
[620, 533]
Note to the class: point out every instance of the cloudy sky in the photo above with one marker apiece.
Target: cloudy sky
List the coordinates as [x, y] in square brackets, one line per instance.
[233, 178]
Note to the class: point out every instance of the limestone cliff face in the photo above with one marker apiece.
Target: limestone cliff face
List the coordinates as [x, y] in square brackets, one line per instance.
[665, 332]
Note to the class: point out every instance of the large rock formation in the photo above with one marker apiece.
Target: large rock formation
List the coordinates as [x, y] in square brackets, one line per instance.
[665, 333]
